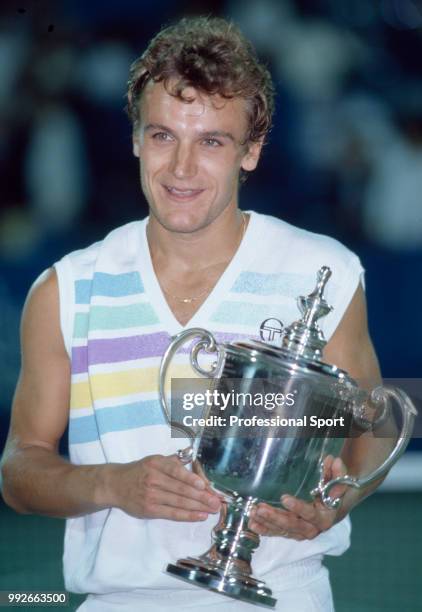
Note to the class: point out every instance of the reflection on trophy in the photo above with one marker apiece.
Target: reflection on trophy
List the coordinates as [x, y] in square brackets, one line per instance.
[263, 463]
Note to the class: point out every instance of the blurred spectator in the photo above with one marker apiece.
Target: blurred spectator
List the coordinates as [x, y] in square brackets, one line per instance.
[362, 129]
[56, 168]
[393, 207]
[13, 55]
[55, 161]
[104, 87]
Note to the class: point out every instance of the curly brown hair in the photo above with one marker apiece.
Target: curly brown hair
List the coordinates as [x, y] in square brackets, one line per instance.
[211, 55]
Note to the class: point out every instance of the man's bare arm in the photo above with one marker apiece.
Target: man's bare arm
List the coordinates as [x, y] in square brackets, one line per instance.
[351, 348]
[36, 479]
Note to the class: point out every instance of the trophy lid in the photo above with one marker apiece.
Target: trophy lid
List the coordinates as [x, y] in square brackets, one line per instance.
[304, 337]
[303, 341]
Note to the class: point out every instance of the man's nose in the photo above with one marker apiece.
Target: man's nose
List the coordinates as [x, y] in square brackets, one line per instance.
[184, 163]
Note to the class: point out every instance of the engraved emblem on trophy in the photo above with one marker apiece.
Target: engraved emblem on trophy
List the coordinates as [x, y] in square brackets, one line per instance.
[250, 465]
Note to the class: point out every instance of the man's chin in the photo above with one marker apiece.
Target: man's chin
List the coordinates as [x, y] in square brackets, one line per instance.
[180, 223]
[186, 228]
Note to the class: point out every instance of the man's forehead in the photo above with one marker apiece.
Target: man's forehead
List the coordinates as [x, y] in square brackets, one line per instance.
[157, 99]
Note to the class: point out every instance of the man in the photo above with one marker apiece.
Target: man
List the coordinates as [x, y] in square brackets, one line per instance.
[95, 327]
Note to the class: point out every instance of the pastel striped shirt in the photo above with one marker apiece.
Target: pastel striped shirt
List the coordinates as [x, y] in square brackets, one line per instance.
[116, 326]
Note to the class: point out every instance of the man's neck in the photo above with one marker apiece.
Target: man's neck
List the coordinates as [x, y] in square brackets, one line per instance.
[188, 266]
[212, 245]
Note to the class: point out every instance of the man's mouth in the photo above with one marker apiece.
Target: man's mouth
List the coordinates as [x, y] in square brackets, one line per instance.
[182, 194]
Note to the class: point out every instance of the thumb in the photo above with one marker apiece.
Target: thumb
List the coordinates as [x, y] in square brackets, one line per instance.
[338, 469]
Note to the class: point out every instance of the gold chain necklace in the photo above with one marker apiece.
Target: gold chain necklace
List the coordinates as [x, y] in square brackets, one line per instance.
[195, 298]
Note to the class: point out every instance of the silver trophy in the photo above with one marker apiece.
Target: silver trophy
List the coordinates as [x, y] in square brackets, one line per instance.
[247, 465]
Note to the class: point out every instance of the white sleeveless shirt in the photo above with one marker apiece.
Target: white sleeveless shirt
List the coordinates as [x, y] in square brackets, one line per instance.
[116, 326]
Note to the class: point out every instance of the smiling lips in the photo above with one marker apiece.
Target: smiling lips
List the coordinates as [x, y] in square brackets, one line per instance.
[182, 194]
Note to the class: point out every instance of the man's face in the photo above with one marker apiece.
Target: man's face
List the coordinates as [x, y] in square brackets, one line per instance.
[191, 155]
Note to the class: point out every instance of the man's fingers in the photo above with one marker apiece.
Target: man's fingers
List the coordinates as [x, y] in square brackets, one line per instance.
[328, 462]
[337, 491]
[169, 483]
[338, 469]
[158, 497]
[174, 468]
[158, 482]
[335, 468]
[277, 523]
[171, 467]
[282, 520]
[302, 509]
[209, 501]
[177, 514]
[300, 519]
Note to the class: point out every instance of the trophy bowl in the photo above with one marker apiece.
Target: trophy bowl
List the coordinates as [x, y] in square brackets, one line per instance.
[252, 455]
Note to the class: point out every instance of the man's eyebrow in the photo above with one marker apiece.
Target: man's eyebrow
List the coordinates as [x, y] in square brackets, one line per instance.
[158, 126]
[206, 134]
[218, 134]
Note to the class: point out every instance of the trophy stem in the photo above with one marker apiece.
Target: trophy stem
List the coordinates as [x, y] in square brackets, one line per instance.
[234, 543]
[226, 566]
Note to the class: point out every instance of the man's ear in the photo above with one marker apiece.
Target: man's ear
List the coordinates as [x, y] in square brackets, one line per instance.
[135, 145]
[251, 157]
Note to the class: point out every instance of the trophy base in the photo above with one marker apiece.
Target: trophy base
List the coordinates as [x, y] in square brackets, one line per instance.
[245, 588]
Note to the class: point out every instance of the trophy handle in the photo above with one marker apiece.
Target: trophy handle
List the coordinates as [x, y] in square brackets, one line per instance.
[207, 343]
[409, 412]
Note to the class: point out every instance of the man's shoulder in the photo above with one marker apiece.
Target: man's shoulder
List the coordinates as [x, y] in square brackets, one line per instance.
[119, 244]
[299, 243]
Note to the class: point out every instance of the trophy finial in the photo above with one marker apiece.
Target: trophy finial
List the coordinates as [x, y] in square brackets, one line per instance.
[304, 337]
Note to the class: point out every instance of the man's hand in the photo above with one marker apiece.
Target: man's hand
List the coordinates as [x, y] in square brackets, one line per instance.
[160, 487]
[300, 520]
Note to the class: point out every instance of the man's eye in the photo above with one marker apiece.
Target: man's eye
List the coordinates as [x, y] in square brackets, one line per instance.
[162, 136]
[212, 142]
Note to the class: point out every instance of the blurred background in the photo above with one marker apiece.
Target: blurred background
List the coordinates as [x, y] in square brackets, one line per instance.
[344, 158]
